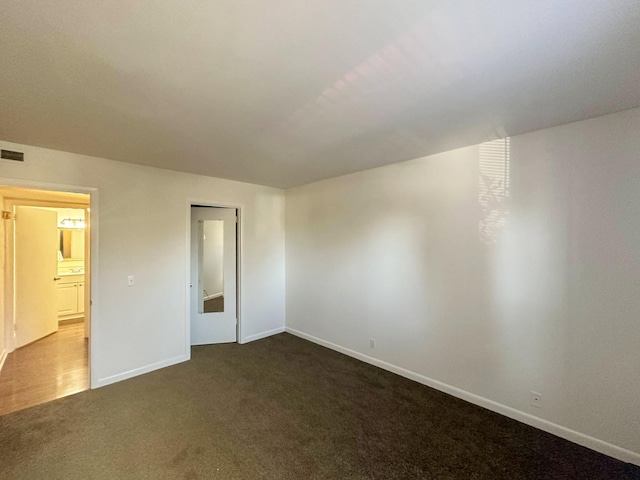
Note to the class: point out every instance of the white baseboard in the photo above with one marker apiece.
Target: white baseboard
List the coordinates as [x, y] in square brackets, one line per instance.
[258, 336]
[3, 357]
[167, 363]
[101, 382]
[215, 295]
[558, 430]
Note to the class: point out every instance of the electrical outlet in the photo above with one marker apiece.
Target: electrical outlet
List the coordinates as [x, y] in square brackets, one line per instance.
[535, 399]
[372, 343]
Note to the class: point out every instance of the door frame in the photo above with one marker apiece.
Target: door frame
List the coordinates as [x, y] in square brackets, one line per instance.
[91, 262]
[239, 266]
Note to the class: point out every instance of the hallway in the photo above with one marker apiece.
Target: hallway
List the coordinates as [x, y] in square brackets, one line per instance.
[51, 368]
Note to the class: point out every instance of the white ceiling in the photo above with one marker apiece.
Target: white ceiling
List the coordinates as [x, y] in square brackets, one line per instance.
[286, 92]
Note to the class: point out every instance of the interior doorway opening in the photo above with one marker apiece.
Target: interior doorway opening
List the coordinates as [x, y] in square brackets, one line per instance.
[45, 322]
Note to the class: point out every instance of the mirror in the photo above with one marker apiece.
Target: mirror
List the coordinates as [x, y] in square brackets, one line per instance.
[211, 271]
[72, 243]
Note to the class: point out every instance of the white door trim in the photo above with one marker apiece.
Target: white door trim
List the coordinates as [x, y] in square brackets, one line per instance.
[192, 202]
[91, 293]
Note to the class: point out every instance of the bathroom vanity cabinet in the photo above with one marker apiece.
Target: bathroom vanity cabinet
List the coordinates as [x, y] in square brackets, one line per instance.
[70, 290]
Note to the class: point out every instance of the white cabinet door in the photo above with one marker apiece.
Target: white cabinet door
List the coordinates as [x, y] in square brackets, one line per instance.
[67, 298]
[80, 295]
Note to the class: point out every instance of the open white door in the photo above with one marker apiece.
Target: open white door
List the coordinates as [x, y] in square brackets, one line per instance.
[36, 267]
[213, 275]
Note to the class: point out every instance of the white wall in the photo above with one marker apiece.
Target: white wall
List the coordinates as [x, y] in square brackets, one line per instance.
[142, 224]
[394, 254]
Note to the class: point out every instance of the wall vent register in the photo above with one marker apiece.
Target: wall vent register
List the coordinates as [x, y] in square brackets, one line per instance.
[11, 155]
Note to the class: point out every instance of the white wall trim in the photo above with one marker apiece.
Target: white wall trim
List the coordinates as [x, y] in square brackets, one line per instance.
[101, 382]
[215, 295]
[553, 428]
[259, 336]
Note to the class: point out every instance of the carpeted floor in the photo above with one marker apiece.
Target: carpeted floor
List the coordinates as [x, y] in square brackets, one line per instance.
[214, 305]
[281, 408]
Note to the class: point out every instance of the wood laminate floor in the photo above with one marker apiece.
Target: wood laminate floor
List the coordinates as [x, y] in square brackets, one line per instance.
[53, 367]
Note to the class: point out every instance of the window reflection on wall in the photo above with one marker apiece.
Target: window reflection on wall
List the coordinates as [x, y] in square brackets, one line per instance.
[493, 191]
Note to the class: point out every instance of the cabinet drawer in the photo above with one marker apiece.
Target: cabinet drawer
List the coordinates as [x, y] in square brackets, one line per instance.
[64, 279]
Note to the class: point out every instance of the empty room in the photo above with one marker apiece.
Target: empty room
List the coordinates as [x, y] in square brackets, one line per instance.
[320, 240]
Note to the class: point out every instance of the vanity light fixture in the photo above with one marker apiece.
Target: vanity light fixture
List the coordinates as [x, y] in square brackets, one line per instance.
[72, 223]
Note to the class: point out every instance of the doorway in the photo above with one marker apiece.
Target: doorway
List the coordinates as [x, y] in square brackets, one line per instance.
[46, 334]
[213, 283]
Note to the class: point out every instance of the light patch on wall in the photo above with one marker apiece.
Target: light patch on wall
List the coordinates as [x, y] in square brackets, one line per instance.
[493, 188]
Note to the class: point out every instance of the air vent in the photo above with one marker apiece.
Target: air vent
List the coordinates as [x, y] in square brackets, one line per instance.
[10, 155]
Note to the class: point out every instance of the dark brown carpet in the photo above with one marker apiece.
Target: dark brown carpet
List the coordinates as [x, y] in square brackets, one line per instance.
[281, 408]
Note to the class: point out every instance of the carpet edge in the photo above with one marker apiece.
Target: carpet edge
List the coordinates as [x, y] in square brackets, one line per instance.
[579, 438]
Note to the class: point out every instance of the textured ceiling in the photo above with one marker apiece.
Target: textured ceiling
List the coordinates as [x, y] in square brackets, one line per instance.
[286, 92]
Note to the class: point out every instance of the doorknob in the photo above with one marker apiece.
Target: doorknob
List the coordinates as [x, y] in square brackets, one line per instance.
[55, 279]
